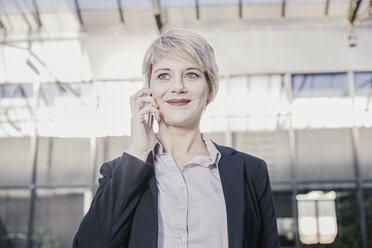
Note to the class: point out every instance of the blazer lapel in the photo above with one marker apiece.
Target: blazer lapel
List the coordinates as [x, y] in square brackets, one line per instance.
[154, 191]
[232, 179]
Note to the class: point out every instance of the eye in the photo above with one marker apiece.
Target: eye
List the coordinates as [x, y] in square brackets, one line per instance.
[192, 75]
[163, 76]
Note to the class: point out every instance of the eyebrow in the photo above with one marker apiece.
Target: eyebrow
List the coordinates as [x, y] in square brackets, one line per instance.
[187, 69]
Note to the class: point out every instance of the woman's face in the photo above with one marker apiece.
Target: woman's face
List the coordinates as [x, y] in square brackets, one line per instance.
[180, 88]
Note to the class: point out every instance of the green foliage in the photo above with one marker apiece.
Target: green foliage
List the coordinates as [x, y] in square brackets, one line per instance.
[368, 204]
[45, 239]
[348, 221]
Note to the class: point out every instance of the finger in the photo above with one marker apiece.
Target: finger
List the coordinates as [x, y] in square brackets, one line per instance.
[139, 93]
[157, 116]
[143, 92]
[141, 101]
[147, 110]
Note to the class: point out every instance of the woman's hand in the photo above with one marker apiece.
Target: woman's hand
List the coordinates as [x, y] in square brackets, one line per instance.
[142, 137]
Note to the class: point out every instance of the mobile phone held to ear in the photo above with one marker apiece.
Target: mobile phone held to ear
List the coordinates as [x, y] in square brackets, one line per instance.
[149, 118]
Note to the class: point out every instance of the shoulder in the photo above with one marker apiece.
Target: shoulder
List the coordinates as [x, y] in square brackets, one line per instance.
[126, 163]
[253, 165]
[108, 167]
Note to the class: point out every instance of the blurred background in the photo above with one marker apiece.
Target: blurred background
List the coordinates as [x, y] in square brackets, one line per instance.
[295, 90]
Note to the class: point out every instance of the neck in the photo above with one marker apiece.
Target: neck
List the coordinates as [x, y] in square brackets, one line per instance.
[177, 141]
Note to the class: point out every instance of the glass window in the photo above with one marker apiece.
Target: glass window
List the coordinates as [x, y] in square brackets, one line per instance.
[216, 2]
[363, 98]
[363, 83]
[64, 161]
[319, 85]
[16, 59]
[256, 96]
[262, 1]
[270, 146]
[251, 103]
[285, 220]
[116, 146]
[324, 154]
[54, 228]
[16, 106]
[349, 235]
[16, 161]
[138, 4]
[98, 5]
[14, 206]
[368, 209]
[9, 6]
[15, 91]
[56, 5]
[179, 3]
[67, 110]
[365, 155]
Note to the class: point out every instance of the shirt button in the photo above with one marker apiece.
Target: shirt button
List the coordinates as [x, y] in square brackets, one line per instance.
[182, 240]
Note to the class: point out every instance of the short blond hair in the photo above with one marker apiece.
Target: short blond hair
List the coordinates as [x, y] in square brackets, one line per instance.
[184, 42]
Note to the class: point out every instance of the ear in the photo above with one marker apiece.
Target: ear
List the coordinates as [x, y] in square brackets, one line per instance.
[209, 97]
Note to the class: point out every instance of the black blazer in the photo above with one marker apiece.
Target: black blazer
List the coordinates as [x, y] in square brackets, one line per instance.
[124, 210]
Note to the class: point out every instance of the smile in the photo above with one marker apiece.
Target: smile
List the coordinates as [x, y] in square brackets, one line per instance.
[178, 102]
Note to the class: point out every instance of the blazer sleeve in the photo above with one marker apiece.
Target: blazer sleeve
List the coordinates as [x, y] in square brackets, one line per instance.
[119, 191]
[268, 233]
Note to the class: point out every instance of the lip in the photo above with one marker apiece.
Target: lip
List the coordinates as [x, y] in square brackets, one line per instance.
[178, 102]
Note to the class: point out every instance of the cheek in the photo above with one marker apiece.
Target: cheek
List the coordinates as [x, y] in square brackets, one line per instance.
[202, 93]
[156, 90]
[158, 96]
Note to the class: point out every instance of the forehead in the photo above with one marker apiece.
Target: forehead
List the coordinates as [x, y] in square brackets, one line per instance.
[173, 60]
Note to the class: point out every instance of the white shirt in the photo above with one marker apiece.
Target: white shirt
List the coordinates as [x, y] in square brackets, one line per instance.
[191, 203]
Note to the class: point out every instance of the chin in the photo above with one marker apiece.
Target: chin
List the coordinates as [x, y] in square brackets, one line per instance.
[181, 121]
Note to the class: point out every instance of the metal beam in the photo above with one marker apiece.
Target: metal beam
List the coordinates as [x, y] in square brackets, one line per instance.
[6, 16]
[48, 186]
[37, 14]
[197, 9]
[157, 15]
[34, 150]
[360, 192]
[9, 121]
[354, 11]
[365, 13]
[240, 9]
[2, 24]
[78, 12]
[293, 158]
[50, 159]
[326, 8]
[356, 164]
[120, 9]
[368, 99]
[159, 23]
[283, 8]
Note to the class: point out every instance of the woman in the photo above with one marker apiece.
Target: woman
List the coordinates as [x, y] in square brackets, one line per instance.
[177, 188]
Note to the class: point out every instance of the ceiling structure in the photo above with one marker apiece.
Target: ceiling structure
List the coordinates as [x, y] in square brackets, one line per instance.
[83, 15]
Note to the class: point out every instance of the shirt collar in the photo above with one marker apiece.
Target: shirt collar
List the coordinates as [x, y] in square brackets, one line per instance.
[214, 153]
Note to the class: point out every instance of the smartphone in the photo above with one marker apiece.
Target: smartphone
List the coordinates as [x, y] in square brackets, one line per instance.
[149, 118]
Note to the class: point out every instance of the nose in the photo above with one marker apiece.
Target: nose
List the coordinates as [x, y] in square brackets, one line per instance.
[178, 85]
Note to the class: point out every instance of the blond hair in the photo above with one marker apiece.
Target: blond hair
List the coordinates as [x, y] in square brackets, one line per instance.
[184, 42]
